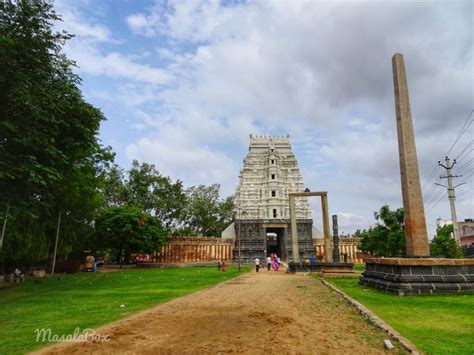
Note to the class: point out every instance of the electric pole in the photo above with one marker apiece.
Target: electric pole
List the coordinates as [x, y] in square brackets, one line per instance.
[451, 195]
[56, 244]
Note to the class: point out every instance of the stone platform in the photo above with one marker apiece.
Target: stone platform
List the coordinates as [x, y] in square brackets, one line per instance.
[333, 268]
[412, 276]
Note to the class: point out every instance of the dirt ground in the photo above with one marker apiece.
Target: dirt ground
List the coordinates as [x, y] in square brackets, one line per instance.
[265, 312]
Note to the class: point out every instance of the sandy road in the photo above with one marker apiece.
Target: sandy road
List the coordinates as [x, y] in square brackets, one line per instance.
[265, 312]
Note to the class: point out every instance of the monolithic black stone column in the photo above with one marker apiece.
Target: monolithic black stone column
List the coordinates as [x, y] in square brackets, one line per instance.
[335, 237]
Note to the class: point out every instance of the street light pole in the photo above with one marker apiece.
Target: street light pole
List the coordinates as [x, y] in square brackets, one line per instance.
[238, 243]
[238, 213]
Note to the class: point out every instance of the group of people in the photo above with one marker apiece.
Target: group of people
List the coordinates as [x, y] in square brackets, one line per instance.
[272, 261]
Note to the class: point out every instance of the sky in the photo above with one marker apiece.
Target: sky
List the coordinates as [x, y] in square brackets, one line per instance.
[184, 83]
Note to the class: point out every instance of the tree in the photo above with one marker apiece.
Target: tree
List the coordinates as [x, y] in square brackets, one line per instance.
[144, 187]
[112, 187]
[206, 213]
[156, 194]
[127, 230]
[387, 237]
[49, 151]
[47, 128]
[443, 244]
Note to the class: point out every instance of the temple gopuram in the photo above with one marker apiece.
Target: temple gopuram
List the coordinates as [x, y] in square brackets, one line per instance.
[262, 215]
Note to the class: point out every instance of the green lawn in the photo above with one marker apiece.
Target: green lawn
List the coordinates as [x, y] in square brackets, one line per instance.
[359, 267]
[87, 300]
[436, 324]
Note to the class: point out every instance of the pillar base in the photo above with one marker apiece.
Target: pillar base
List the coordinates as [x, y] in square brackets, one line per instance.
[407, 276]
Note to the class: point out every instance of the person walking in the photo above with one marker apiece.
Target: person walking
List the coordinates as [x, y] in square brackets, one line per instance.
[269, 263]
[223, 266]
[275, 265]
[257, 264]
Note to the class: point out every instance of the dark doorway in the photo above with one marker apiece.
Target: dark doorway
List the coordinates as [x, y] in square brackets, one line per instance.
[274, 239]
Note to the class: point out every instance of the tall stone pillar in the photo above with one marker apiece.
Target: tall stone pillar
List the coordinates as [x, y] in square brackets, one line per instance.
[327, 237]
[294, 231]
[415, 225]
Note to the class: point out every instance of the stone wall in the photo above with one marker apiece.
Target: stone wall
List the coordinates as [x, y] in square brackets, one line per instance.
[194, 249]
[253, 242]
[347, 246]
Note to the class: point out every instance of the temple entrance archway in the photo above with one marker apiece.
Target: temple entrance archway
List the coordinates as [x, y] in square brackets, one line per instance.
[275, 241]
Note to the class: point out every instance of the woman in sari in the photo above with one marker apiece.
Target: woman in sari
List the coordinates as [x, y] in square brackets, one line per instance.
[275, 265]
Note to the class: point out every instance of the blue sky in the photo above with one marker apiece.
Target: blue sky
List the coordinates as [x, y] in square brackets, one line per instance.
[184, 83]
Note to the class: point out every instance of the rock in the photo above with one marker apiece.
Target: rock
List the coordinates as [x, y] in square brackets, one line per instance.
[388, 344]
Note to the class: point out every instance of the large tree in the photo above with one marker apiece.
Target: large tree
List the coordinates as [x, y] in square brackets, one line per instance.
[387, 236]
[207, 214]
[49, 151]
[46, 129]
[144, 187]
[127, 230]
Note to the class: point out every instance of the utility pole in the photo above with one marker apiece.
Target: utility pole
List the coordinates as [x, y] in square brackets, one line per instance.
[451, 195]
[238, 213]
[56, 244]
[3, 228]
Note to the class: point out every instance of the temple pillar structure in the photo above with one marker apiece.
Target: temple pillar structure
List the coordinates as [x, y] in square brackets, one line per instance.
[415, 225]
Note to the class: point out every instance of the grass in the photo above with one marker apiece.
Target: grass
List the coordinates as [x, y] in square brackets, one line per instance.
[88, 300]
[436, 324]
[359, 267]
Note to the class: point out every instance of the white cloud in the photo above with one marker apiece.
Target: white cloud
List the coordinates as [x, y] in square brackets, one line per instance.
[75, 22]
[176, 159]
[320, 71]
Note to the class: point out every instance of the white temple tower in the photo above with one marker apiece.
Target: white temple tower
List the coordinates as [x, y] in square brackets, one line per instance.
[262, 218]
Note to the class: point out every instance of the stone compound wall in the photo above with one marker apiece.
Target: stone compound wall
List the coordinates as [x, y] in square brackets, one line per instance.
[347, 246]
[194, 249]
[181, 250]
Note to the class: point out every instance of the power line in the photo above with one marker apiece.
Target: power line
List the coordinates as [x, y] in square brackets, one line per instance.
[465, 149]
[464, 157]
[435, 197]
[431, 193]
[442, 197]
[465, 126]
[468, 176]
[431, 176]
[466, 164]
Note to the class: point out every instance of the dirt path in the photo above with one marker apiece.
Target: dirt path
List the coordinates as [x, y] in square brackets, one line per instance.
[267, 312]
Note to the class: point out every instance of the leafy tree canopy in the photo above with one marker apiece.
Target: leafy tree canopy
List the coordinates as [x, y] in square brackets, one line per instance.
[443, 244]
[206, 213]
[127, 230]
[49, 152]
[47, 131]
[144, 187]
[387, 236]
